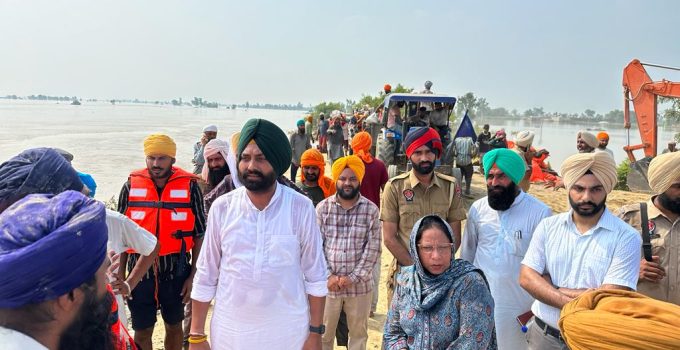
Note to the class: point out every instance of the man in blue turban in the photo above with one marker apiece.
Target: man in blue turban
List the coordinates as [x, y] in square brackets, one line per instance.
[498, 230]
[36, 170]
[53, 274]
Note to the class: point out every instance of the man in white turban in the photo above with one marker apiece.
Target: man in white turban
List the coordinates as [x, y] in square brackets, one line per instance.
[658, 277]
[523, 142]
[220, 161]
[586, 142]
[209, 133]
[584, 248]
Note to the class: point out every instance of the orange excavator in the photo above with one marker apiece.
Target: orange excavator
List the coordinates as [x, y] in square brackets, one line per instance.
[640, 89]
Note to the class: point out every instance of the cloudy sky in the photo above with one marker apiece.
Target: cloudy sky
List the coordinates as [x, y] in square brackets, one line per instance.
[562, 55]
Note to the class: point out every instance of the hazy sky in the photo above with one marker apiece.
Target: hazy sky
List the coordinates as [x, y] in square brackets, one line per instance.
[562, 55]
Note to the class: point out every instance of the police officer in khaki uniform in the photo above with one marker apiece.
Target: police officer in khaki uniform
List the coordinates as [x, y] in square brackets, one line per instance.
[660, 278]
[414, 194]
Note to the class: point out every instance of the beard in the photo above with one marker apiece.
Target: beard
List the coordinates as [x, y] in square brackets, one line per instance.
[164, 174]
[594, 210]
[92, 327]
[261, 184]
[424, 167]
[312, 177]
[342, 192]
[669, 203]
[501, 198]
[217, 175]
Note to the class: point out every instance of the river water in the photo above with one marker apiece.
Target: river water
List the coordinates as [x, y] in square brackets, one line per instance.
[106, 139]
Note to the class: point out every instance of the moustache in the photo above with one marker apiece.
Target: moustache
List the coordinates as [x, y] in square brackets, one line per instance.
[254, 172]
[586, 203]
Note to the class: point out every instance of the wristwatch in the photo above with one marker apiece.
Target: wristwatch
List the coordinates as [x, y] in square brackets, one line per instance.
[319, 330]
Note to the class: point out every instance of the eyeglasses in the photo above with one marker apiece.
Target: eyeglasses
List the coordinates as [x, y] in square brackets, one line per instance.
[441, 248]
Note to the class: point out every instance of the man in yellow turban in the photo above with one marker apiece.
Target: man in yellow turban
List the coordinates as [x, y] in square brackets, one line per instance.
[351, 252]
[313, 180]
[166, 201]
[584, 248]
[657, 277]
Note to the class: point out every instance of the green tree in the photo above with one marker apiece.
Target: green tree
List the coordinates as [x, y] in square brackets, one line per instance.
[671, 114]
[326, 108]
[375, 101]
[482, 107]
[615, 115]
[467, 102]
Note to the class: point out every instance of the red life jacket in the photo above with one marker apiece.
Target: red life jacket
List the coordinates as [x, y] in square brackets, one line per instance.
[121, 337]
[169, 217]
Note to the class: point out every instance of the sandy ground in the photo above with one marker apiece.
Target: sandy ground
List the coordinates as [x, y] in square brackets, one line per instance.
[557, 200]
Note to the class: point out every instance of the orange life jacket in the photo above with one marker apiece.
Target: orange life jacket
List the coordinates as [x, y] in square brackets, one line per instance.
[169, 217]
[121, 337]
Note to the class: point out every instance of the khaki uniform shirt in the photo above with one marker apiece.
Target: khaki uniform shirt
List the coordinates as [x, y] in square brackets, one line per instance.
[405, 200]
[665, 239]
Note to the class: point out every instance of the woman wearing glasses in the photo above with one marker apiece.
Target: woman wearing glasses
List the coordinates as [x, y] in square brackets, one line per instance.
[440, 302]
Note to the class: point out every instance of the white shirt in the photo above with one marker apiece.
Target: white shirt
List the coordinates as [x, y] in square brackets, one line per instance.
[13, 340]
[126, 234]
[608, 253]
[259, 266]
[609, 152]
[496, 241]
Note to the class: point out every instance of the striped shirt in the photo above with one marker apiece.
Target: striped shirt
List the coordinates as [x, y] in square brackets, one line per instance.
[608, 253]
[168, 263]
[351, 242]
[464, 150]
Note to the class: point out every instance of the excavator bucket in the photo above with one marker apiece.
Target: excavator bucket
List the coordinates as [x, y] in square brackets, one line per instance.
[637, 176]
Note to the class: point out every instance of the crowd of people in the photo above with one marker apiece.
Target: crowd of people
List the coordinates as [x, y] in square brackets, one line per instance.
[295, 263]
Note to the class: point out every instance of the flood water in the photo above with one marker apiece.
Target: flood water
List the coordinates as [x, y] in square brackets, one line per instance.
[106, 139]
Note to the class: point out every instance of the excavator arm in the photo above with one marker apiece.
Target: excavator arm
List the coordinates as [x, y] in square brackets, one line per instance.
[639, 88]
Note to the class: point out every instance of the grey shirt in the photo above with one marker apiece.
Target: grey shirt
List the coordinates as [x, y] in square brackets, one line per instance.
[336, 137]
[323, 127]
[198, 158]
[299, 144]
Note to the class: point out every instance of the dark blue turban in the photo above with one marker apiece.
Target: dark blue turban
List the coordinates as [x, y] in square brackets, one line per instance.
[36, 170]
[49, 245]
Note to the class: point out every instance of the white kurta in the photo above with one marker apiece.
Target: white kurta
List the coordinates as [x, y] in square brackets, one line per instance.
[496, 241]
[259, 266]
[126, 234]
[13, 340]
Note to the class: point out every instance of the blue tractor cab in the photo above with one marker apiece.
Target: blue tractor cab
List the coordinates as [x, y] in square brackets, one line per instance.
[402, 113]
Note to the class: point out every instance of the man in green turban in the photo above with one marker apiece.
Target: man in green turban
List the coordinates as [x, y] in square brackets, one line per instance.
[271, 140]
[264, 251]
[498, 231]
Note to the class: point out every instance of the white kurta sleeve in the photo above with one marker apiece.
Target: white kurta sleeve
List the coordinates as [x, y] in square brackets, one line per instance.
[312, 259]
[136, 237]
[468, 246]
[208, 264]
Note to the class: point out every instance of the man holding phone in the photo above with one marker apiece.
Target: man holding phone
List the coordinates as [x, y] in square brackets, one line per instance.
[497, 234]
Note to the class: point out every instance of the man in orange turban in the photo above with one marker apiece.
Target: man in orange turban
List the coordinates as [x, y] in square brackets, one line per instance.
[603, 138]
[312, 179]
